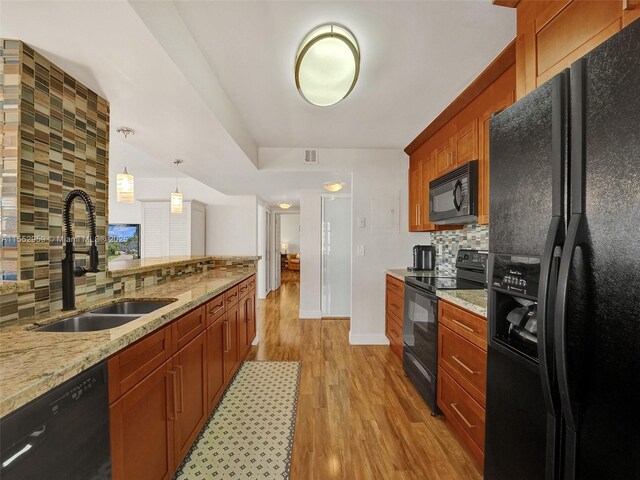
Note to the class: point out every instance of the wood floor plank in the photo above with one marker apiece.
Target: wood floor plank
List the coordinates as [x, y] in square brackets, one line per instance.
[358, 416]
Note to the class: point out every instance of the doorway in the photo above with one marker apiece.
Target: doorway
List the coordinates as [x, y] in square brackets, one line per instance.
[336, 256]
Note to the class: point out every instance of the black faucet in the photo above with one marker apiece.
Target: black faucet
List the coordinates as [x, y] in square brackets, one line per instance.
[69, 270]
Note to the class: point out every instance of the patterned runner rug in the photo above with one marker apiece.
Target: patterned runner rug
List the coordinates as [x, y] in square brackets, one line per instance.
[250, 433]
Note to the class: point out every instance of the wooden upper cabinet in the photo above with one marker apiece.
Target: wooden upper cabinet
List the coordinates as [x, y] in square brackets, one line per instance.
[428, 174]
[500, 103]
[444, 160]
[465, 143]
[551, 35]
[415, 192]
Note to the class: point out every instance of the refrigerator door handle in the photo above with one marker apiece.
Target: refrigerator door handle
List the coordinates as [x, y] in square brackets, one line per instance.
[576, 237]
[546, 304]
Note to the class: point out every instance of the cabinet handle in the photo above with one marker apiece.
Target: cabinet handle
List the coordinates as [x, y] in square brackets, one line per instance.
[227, 339]
[179, 368]
[462, 325]
[463, 365]
[175, 395]
[394, 306]
[419, 212]
[629, 4]
[467, 422]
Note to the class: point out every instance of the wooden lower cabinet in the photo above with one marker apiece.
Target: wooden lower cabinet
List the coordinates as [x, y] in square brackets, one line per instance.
[462, 374]
[243, 330]
[190, 364]
[215, 362]
[251, 316]
[231, 354]
[157, 413]
[394, 314]
[142, 428]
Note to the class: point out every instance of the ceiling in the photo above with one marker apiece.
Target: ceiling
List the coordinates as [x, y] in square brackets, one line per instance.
[212, 81]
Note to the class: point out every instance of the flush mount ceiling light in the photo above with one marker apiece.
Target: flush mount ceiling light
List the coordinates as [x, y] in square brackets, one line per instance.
[176, 197]
[124, 181]
[327, 65]
[284, 205]
[333, 186]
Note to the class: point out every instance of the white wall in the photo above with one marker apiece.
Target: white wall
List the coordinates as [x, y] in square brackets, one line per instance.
[290, 231]
[231, 221]
[374, 172]
[310, 258]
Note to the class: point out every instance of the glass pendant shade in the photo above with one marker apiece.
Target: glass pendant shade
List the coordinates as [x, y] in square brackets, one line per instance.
[176, 202]
[124, 187]
[327, 65]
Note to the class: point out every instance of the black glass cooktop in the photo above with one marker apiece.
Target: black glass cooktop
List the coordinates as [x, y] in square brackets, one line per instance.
[443, 283]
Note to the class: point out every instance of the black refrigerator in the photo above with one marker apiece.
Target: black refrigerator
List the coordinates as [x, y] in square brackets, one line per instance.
[563, 371]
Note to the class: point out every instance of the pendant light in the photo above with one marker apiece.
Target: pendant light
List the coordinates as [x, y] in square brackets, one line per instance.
[124, 181]
[176, 197]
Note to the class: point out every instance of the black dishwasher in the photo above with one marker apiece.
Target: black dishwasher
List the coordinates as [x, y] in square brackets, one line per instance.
[63, 434]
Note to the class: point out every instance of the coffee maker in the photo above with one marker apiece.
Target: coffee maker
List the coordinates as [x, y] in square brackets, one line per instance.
[424, 258]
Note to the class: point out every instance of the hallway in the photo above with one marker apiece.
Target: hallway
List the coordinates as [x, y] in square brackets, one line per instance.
[358, 416]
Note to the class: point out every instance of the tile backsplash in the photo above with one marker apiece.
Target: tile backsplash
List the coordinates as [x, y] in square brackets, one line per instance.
[471, 236]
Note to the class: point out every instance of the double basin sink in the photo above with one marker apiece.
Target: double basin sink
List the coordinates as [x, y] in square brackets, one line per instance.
[104, 318]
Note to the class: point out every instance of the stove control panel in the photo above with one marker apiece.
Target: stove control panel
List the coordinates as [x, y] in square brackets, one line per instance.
[517, 274]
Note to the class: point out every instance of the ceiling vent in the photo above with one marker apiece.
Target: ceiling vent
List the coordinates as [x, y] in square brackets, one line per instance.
[311, 157]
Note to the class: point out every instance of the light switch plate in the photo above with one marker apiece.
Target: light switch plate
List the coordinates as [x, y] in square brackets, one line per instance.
[361, 250]
[362, 222]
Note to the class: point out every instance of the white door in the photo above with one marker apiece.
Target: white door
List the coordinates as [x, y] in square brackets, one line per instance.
[336, 256]
[268, 252]
[277, 252]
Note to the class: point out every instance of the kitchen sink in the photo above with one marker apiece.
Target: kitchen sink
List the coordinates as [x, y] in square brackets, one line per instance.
[104, 318]
[139, 307]
[88, 322]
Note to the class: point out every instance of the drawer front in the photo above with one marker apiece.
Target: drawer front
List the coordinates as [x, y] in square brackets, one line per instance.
[468, 325]
[463, 412]
[396, 286]
[215, 309]
[394, 334]
[395, 305]
[464, 361]
[130, 366]
[231, 297]
[252, 282]
[188, 327]
[244, 288]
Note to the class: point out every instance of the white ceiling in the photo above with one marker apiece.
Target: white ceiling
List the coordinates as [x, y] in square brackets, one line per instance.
[211, 81]
[416, 57]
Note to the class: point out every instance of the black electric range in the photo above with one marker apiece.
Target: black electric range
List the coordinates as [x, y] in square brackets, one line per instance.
[420, 323]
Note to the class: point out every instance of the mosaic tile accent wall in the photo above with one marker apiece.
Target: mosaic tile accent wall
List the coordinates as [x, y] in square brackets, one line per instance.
[62, 143]
[9, 121]
[471, 236]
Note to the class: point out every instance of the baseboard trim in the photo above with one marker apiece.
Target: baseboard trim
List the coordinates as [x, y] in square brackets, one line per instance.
[310, 314]
[368, 339]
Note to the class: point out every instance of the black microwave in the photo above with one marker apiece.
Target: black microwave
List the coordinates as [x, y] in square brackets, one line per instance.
[453, 198]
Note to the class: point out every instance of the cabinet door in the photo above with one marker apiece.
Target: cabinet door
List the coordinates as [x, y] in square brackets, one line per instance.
[242, 328]
[142, 428]
[483, 155]
[415, 183]
[189, 365]
[428, 174]
[251, 317]
[444, 158]
[465, 143]
[215, 362]
[231, 343]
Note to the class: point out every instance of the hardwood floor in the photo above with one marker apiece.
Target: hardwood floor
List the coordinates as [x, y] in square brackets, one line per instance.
[358, 416]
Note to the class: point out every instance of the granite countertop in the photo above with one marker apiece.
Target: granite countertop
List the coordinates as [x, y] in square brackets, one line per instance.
[31, 363]
[473, 300]
[130, 267]
[14, 286]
